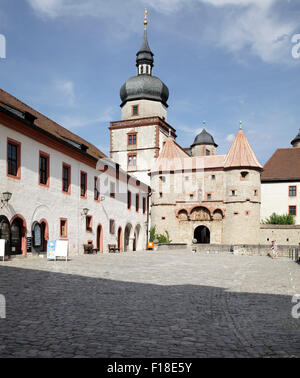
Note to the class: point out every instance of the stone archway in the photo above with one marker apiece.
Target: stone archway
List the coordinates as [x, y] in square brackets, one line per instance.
[18, 235]
[128, 238]
[202, 235]
[138, 238]
[5, 233]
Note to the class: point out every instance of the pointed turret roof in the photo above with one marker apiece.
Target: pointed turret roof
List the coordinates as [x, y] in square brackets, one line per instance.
[171, 155]
[145, 55]
[241, 154]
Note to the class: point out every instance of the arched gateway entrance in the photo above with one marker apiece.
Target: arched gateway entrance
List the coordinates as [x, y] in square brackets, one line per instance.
[5, 233]
[202, 235]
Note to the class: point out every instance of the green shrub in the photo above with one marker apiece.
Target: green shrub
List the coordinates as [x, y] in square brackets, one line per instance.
[162, 238]
[280, 219]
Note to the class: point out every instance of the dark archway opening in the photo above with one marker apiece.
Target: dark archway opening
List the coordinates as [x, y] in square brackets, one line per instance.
[202, 235]
[5, 233]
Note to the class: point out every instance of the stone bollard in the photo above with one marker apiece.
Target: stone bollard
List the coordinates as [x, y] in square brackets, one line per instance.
[156, 243]
[194, 246]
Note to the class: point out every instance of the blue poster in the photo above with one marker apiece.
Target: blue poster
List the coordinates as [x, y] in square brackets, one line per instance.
[51, 249]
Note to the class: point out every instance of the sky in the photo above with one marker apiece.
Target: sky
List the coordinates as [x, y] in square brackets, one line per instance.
[224, 61]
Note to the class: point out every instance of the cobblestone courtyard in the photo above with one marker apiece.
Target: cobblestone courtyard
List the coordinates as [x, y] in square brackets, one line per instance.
[150, 304]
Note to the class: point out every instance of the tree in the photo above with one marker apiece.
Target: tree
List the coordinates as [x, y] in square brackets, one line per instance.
[280, 219]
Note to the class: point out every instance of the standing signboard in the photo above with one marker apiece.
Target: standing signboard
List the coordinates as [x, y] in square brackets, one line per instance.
[57, 248]
[2, 248]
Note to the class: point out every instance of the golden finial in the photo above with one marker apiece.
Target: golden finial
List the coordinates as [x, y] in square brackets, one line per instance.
[145, 20]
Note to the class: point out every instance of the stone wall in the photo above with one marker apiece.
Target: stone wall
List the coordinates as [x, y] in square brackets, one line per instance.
[283, 234]
[243, 249]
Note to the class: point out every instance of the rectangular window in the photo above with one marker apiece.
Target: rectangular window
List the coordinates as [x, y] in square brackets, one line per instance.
[129, 200]
[96, 189]
[144, 205]
[213, 177]
[131, 139]
[233, 192]
[63, 228]
[135, 110]
[137, 203]
[208, 196]
[83, 184]
[112, 190]
[112, 226]
[207, 152]
[131, 160]
[13, 158]
[44, 169]
[66, 178]
[293, 210]
[191, 197]
[88, 220]
[292, 191]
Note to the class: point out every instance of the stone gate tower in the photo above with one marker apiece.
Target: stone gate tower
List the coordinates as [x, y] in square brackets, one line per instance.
[136, 140]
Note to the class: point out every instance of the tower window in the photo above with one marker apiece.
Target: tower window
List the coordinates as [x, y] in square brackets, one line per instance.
[208, 196]
[131, 139]
[207, 152]
[233, 192]
[135, 110]
[244, 175]
[132, 160]
[213, 177]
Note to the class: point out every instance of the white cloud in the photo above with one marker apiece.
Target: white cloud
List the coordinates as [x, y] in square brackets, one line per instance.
[50, 8]
[65, 92]
[230, 138]
[77, 122]
[240, 26]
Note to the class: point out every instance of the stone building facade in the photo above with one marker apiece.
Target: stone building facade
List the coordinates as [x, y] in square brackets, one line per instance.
[210, 198]
[196, 193]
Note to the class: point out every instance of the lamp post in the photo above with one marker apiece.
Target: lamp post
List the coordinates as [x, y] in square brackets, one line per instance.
[6, 196]
[85, 211]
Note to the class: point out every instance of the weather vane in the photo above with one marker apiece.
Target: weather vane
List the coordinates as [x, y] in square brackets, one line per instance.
[145, 21]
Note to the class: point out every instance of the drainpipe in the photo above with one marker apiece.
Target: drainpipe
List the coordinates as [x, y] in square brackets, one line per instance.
[148, 208]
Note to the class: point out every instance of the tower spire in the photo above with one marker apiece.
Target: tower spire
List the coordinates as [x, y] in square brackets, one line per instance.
[145, 19]
[144, 57]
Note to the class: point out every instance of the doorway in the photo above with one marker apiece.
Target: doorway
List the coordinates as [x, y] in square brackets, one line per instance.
[202, 235]
[99, 240]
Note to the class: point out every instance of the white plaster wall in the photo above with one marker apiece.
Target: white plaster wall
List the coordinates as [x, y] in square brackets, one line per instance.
[146, 137]
[35, 202]
[275, 199]
[147, 108]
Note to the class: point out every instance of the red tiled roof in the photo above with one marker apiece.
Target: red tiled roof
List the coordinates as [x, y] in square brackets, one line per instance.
[241, 153]
[284, 164]
[48, 125]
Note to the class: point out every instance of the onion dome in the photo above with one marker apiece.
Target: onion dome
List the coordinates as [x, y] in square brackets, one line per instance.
[144, 86]
[204, 138]
[296, 139]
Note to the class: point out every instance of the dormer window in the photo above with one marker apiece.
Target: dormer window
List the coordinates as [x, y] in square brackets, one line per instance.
[244, 175]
